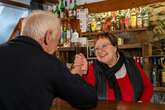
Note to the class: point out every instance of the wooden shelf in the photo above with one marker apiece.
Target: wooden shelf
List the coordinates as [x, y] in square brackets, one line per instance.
[154, 56]
[117, 31]
[91, 58]
[68, 19]
[159, 89]
[158, 38]
[130, 46]
[66, 49]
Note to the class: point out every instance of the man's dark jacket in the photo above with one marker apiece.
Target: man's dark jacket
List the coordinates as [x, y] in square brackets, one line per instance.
[30, 79]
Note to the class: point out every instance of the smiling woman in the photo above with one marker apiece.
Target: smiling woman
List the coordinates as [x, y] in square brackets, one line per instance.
[9, 16]
[115, 76]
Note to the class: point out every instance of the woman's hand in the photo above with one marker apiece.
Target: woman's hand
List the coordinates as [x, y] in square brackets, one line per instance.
[80, 65]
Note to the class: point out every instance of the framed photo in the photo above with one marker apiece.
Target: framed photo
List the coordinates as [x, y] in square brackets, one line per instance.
[90, 50]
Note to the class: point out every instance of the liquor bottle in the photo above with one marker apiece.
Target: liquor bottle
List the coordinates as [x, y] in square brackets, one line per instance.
[56, 9]
[122, 20]
[142, 62]
[159, 70]
[138, 60]
[145, 17]
[133, 18]
[139, 18]
[120, 40]
[118, 20]
[134, 57]
[98, 24]
[68, 36]
[162, 72]
[70, 8]
[74, 12]
[62, 36]
[154, 72]
[62, 9]
[113, 21]
[74, 39]
[93, 25]
[127, 19]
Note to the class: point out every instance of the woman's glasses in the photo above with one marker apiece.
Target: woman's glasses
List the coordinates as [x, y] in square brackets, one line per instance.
[102, 47]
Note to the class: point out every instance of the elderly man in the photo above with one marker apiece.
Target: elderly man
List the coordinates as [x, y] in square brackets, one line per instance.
[31, 77]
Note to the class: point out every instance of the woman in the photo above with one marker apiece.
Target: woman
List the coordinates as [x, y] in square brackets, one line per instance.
[115, 76]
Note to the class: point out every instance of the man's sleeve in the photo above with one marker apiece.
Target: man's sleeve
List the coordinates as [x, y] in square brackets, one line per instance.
[74, 90]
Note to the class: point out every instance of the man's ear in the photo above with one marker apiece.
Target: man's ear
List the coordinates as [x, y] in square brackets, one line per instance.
[48, 36]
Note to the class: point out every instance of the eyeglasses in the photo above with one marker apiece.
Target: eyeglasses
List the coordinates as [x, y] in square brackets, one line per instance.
[102, 47]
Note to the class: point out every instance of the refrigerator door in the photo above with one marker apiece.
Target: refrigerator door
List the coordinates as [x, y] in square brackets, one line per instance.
[9, 16]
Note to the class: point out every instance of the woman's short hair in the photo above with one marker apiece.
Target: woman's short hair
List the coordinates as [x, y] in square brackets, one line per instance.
[111, 37]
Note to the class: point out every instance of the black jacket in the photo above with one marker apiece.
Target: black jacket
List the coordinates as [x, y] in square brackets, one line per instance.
[30, 79]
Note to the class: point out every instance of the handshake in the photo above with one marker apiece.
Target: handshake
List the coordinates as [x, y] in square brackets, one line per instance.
[80, 65]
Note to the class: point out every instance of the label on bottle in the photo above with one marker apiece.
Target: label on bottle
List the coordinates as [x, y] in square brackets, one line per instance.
[133, 21]
[146, 21]
[120, 41]
[139, 22]
[163, 76]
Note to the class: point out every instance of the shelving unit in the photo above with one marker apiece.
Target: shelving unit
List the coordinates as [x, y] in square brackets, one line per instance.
[138, 41]
[159, 89]
[130, 46]
[67, 49]
[117, 31]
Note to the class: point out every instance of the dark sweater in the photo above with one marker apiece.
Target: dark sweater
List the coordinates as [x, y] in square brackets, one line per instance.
[30, 79]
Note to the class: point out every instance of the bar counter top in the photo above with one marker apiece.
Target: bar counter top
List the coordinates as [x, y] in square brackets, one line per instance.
[106, 105]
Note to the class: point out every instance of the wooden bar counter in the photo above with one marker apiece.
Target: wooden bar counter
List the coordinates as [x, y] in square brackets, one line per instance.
[106, 105]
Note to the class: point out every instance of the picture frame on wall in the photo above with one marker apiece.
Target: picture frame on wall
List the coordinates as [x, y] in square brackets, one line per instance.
[90, 50]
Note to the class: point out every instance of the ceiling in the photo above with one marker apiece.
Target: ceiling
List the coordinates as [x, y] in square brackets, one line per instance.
[53, 1]
[43, 1]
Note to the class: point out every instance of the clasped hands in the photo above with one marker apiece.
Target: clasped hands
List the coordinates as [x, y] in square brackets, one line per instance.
[80, 65]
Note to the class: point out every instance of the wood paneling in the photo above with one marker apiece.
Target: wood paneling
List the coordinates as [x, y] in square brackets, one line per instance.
[111, 5]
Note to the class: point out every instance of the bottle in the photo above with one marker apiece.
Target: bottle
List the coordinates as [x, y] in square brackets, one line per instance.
[127, 19]
[163, 71]
[139, 18]
[74, 39]
[142, 62]
[154, 72]
[138, 60]
[70, 8]
[122, 20]
[74, 12]
[118, 20]
[56, 9]
[120, 41]
[62, 9]
[62, 38]
[93, 25]
[98, 24]
[145, 17]
[68, 36]
[113, 21]
[133, 18]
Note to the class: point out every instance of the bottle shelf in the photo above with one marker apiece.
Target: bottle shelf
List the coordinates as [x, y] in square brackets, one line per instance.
[117, 31]
[125, 46]
[155, 56]
[66, 49]
[158, 37]
[130, 46]
[91, 58]
[159, 89]
[68, 19]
